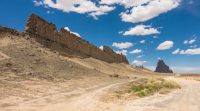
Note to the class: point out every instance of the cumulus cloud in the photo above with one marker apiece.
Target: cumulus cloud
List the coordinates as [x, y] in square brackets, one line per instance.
[67, 28]
[165, 45]
[195, 51]
[101, 47]
[193, 46]
[191, 51]
[122, 45]
[135, 10]
[138, 62]
[75, 33]
[136, 51]
[176, 51]
[155, 37]
[123, 52]
[37, 2]
[141, 30]
[140, 56]
[125, 3]
[189, 42]
[149, 10]
[142, 41]
[79, 6]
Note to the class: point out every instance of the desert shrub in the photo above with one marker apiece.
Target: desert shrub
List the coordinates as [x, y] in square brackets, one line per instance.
[152, 86]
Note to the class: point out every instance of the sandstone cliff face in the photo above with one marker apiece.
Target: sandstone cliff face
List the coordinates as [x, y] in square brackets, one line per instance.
[162, 67]
[69, 44]
[9, 30]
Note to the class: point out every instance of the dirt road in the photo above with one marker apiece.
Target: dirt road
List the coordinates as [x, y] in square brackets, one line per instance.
[185, 99]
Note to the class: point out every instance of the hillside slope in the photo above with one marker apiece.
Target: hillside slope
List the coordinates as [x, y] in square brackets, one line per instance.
[30, 71]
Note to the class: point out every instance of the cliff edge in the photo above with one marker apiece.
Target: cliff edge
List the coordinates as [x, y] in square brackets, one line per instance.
[68, 43]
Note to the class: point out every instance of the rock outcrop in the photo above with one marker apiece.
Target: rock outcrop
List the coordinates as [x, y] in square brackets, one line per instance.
[162, 67]
[9, 30]
[67, 43]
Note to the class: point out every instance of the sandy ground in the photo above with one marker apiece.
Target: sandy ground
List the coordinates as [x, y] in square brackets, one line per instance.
[185, 99]
[36, 78]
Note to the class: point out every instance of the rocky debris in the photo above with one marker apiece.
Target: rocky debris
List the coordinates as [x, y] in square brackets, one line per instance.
[38, 75]
[119, 76]
[37, 61]
[114, 75]
[71, 66]
[124, 77]
[68, 43]
[8, 64]
[162, 67]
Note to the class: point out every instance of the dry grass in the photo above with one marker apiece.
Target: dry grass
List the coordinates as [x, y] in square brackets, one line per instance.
[150, 87]
[141, 88]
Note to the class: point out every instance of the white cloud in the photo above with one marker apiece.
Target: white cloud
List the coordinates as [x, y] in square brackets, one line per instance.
[159, 58]
[120, 32]
[124, 52]
[191, 51]
[149, 10]
[135, 10]
[155, 37]
[142, 41]
[136, 51]
[190, 2]
[176, 51]
[193, 46]
[125, 3]
[101, 47]
[140, 56]
[141, 30]
[122, 45]
[75, 33]
[189, 42]
[195, 51]
[67, 28]
[79, 6]
[49, 12]
[138, 62]
[192, 41]
[37, 2]
[165, 45]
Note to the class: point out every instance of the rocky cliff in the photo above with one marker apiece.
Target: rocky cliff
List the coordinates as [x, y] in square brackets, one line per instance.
[67, 43]
[162, 67]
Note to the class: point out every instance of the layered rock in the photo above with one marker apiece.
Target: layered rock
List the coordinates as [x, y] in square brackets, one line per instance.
[9, 30]
[162, 67]
[69, 44]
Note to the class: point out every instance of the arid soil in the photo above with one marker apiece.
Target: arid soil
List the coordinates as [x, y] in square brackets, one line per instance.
[185, 99]
[35, 78]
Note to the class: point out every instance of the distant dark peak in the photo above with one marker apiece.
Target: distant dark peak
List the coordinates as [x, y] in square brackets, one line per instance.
[162, 67]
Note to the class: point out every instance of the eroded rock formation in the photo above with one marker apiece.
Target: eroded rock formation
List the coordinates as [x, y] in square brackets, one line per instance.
[68, 43]
[162, 67]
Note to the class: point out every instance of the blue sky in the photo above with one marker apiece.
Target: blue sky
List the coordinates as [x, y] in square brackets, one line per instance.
[144, 30]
